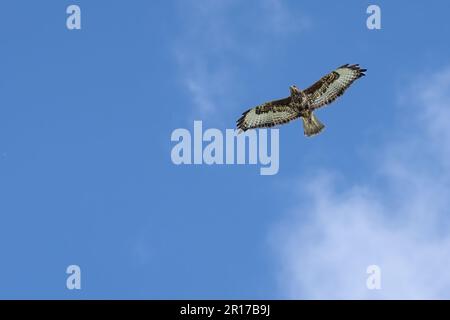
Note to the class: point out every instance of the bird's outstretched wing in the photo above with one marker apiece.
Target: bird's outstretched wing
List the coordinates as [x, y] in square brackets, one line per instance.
[333, 85]
[267, 115]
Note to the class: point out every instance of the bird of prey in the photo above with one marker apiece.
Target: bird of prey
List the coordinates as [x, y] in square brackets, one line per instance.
[302, 103]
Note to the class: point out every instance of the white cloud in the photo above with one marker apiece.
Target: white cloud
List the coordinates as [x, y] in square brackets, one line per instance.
[399, 219]
[218, 35]
[279, 19]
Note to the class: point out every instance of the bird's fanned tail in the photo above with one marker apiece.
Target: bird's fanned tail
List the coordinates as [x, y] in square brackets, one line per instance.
[311, 125]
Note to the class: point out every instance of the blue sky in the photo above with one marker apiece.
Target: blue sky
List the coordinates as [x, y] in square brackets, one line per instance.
[86, 176]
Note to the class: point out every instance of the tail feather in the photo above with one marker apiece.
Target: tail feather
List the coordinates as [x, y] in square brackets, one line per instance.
[312, 125]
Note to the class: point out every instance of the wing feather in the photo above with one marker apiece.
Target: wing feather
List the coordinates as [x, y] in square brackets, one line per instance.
[267, 115]
[333, 85]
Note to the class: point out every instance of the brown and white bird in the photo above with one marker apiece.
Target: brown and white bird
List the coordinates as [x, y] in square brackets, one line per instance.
[302, 103]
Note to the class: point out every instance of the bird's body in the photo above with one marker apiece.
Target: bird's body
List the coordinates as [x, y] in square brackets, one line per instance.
[302, 103]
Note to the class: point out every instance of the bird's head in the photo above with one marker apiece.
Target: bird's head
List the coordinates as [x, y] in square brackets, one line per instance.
[294, 90]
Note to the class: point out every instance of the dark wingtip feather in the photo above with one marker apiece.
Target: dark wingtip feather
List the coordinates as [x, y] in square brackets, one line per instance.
[240, 122]
[357, 68]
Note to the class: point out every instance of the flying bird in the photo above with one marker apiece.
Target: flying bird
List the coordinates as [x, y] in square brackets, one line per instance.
[302, 103]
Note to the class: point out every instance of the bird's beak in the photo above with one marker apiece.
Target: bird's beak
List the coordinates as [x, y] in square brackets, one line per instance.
[292, 89]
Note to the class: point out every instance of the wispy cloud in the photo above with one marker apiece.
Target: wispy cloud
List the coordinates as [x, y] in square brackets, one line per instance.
[398, 219]
[279, 19]
[217, 37]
